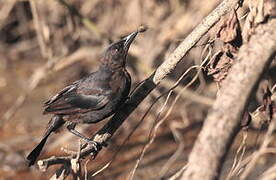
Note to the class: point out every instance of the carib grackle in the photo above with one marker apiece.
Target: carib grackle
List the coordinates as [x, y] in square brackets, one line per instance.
[92, 98]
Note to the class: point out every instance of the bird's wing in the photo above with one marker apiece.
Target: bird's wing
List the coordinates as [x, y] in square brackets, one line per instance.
[73, 99]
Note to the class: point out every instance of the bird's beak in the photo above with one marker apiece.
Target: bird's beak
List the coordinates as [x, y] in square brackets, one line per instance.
[129, 39]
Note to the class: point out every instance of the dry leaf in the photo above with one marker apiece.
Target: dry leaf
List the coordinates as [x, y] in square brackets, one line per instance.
[219, 66]
[229, 27]
[262, 116]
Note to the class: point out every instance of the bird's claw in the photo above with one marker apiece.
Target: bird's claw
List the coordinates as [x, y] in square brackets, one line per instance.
[94, 145]
[96, 148]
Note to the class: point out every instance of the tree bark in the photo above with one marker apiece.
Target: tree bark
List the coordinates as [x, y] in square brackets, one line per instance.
[164, 69]
[105, 133]
[223, 120]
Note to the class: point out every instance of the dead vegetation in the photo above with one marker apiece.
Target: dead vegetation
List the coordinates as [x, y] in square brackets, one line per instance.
[44, 45]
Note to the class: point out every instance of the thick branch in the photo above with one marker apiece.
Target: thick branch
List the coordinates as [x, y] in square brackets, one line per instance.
[164, 69]
[221, 125]
[103, 135]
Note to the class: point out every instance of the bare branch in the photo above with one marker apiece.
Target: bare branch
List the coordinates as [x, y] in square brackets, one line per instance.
[223, 120]
[264, 146]
[104, 134]
[168, 65]
[38, 22]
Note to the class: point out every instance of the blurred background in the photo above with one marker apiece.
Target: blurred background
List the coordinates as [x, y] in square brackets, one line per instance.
[45, 45]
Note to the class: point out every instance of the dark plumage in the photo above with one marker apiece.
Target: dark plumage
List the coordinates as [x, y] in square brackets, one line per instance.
[92, 98]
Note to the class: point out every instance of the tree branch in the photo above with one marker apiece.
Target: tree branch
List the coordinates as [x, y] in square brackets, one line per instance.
[223, 120]
[104, 134]
[163, 70]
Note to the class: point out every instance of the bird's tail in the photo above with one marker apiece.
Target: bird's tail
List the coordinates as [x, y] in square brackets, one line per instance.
[55, 123]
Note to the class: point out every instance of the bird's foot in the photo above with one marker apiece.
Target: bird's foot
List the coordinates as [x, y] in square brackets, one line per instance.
[94, 144]
[96, 148]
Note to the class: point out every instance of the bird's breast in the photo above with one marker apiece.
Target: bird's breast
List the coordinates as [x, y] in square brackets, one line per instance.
[120, 81]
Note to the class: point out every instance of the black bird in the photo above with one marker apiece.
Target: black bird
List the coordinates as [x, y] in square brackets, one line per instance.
[92, 98]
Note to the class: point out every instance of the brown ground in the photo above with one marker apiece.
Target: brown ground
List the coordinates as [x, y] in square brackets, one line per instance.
[77, 46]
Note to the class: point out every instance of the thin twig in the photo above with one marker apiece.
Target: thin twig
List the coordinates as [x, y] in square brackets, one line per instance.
[39, 30]
[267, 139]
[155, 127]
[178, 174]
[238, 157]
[104, 134]
[223, 121]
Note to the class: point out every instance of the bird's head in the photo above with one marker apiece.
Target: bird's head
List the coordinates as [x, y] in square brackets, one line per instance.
[116, 53]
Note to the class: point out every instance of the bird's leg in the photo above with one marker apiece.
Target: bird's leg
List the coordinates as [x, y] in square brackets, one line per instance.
[71, 128]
